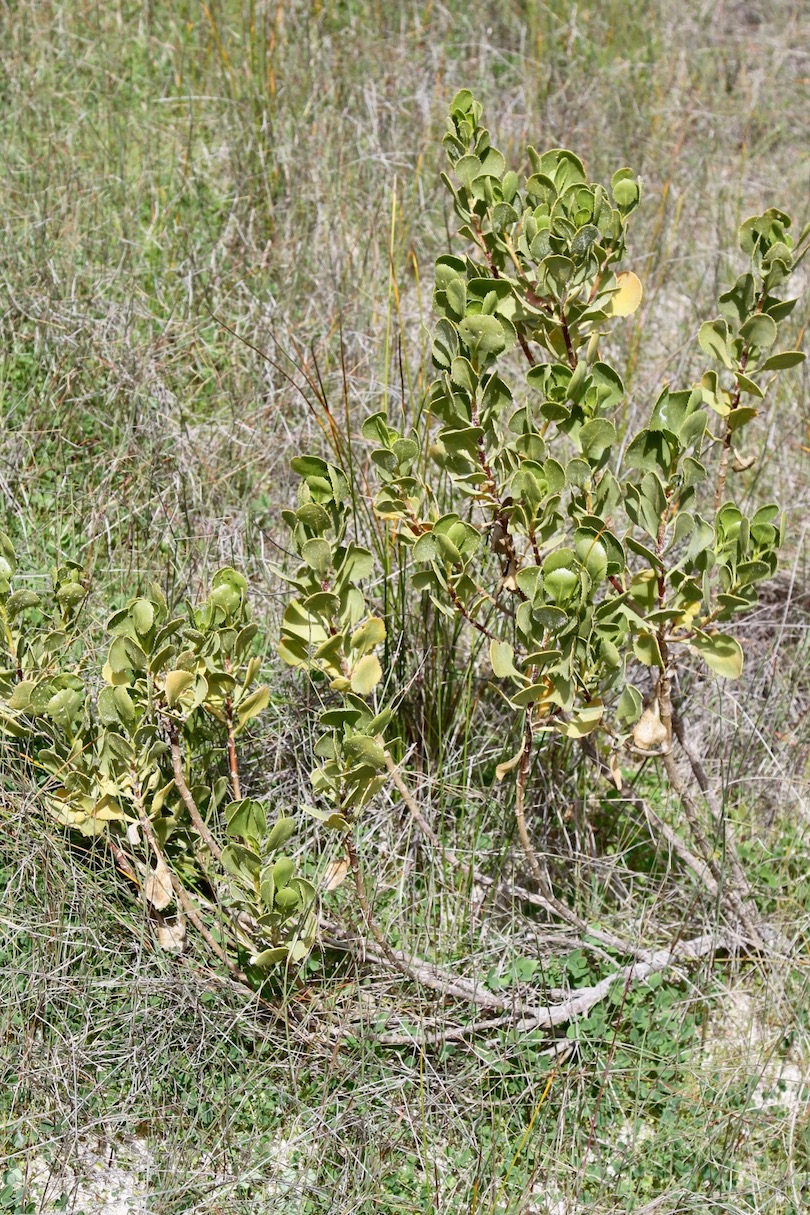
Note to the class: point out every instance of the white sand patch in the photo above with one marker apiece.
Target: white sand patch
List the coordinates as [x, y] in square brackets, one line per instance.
[740, 1037]
[123, 1178]
[100, 1180]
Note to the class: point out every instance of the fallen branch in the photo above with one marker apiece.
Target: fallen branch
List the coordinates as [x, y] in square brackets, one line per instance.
[525, 1019]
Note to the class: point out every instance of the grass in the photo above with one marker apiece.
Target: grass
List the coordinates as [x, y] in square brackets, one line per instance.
[205, 210]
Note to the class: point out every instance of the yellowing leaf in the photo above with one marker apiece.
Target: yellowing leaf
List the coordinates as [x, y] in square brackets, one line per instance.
[366, 675]
[252, 705]
[583, 722]
[615, 771]
[116, 678]
[502, 659]
[171, 935]
[176, 684]
[508, 765]
[628, 297]
[370, 634]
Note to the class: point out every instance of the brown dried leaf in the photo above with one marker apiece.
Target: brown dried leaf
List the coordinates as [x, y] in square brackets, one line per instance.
[335, 874]
[157, 889]
[650, 731]
[171, 935]
[615, 771]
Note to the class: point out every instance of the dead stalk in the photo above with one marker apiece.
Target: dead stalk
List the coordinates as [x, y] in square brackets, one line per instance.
[197, 820]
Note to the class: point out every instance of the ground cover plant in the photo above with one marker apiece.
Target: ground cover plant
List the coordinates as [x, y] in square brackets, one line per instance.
[488, 811]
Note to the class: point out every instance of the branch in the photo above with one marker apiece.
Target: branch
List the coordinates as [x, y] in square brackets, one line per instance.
[699, 868]
[520, 803]
[184, 900]
[551, 1016]
[426, 974]
[197, 820]
[546, 899]
[738, 898]
[715, 807]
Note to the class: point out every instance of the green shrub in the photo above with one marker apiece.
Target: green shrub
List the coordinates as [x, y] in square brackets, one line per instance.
[596, 565]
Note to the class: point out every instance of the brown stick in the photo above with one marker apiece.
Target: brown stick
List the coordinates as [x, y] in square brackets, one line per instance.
[579, 1005]
[184, 900]
[737, 898]
[424, 973]
[232, 760]
[546, 899]
[699, 868]
[197, 820]
[233, 766]
[520, 802]
[717, 811]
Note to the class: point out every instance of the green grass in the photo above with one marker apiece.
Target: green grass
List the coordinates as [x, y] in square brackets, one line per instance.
[205, 211]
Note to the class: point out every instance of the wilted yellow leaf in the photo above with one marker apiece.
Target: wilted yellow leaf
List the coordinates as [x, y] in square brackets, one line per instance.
[649, 730]
[628, 297]
[171, 936]
[366, 675]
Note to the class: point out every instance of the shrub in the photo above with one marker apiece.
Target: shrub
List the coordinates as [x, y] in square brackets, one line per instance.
[596, 566]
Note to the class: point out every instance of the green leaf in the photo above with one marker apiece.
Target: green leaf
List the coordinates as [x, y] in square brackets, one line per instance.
[759, 330]
[721, 653]
[650, 450]
[124, 704]
[467, 169]
[8, 558]
[502, 658]
[21, 600]
[283, 871]
[20, 698]
[780, 362]
[330, 818]
[713, 339]
[596, 437]
[630, 705]
[456, 293]
[482, 335]
[287, 900]
[70, 594]
[426, 548]
[143, 616]
[360, 747]
[241, 863]
[270, 957]
[246, 818]
[645, 648]
[593, 554]
[625, 188]
[528, 696]
[318, 555]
